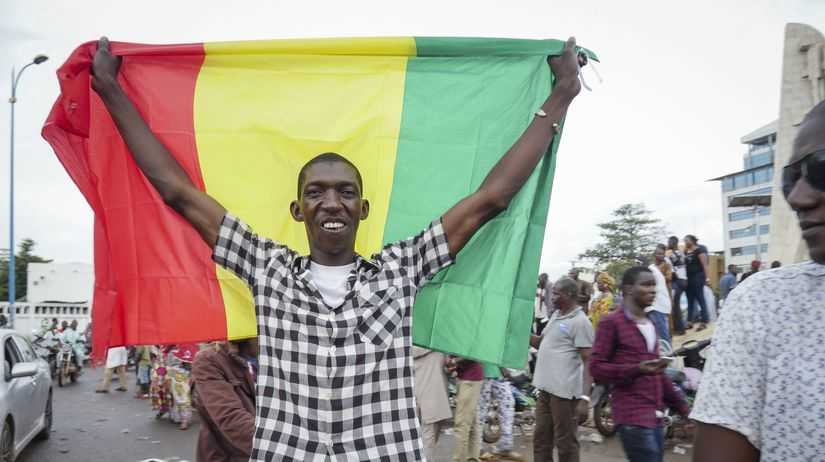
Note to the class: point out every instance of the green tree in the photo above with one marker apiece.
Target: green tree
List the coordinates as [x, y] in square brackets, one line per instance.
[24, 256]
[628, 239]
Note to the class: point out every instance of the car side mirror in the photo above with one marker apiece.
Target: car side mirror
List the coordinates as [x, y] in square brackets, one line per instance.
[23, 370]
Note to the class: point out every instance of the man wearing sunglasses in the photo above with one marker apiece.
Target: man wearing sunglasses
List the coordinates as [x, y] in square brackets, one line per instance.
[761, 395]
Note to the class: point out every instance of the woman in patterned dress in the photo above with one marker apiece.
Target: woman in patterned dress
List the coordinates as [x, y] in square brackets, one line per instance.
[179, 362]
[601, 306]
[160, 386]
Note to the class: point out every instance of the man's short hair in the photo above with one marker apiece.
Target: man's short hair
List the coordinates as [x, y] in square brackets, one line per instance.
[567, 286]
[630, 276]
[328, 157]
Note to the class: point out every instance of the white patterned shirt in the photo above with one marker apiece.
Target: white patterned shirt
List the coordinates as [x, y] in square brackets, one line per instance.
[765, 377]
[334, 383]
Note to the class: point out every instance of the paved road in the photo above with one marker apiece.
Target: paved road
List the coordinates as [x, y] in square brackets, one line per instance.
[116, 427]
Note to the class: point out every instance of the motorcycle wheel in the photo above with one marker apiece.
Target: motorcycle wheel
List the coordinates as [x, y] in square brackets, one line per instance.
[603, 417]
[73, 377]
[61, 376]
[492, 433]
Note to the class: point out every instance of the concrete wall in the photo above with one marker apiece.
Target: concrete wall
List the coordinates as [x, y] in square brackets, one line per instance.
[803, 85]
[65, 282]
[29, 316]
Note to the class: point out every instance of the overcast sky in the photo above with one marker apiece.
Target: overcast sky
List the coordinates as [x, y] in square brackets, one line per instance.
[682, 85]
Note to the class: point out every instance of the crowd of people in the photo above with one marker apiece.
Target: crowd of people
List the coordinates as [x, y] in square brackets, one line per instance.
[335, 380]
[577, 340]
[217, 379]
[52, 333]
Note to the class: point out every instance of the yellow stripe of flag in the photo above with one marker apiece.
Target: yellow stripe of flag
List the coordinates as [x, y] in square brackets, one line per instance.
[260, 117]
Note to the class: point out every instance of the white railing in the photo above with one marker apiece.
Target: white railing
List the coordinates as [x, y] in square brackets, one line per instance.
[29, 316]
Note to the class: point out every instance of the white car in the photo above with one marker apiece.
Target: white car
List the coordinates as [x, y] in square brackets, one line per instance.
[25, 396]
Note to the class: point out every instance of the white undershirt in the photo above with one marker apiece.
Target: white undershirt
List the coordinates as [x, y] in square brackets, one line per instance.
[331, 282]
[648, 331]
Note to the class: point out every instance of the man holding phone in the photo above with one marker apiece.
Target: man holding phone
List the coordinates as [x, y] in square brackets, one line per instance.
[625, 355]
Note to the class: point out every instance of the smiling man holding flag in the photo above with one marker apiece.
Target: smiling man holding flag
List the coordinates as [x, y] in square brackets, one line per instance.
[335, 378]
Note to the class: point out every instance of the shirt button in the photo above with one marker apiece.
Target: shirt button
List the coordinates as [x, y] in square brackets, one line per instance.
[331, 350]
[331, 317]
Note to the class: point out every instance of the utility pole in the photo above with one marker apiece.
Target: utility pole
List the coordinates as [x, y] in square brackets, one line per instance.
[15, 79]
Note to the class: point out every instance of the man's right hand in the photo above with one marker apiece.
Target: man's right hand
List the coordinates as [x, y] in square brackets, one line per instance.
[104, 66]
[167, 176]
[652, 366]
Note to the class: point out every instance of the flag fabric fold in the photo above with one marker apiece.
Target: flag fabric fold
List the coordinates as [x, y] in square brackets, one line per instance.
[424, 120]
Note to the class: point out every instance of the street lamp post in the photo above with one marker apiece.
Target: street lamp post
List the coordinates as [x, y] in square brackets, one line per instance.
[15, 79]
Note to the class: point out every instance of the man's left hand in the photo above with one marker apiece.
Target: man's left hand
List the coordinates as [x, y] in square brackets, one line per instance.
[582, 411]
[566, 67]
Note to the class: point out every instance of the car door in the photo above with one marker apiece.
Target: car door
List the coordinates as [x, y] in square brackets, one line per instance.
[20, 392]
[40, 382]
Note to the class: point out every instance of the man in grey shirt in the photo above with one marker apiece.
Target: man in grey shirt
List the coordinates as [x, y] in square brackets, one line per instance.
[561, 376]
[727, 282]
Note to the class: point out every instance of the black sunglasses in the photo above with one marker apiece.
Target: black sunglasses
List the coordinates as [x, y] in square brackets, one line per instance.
[811, 167]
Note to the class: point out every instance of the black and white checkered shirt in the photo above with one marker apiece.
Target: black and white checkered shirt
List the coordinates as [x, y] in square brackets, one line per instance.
[334, 383]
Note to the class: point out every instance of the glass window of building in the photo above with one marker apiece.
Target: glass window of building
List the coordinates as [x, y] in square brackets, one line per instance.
[743, 180]
[760, 159]
[763, 175]
[747, 250]
[748, 214]
[749, 231]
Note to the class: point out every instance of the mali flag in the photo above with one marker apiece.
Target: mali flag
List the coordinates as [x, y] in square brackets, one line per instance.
[424, 119]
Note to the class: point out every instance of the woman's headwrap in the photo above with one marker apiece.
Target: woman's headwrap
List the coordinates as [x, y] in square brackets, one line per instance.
[606, 279]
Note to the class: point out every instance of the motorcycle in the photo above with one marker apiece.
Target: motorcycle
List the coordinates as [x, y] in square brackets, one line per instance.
[45, 349]
[68, 369]
[687, 382]
[524, 417]
[602, 411]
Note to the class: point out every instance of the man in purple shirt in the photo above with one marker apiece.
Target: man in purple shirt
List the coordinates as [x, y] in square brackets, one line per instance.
[625, 355]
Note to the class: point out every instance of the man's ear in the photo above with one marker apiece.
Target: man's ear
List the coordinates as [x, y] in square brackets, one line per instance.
[365, 209]
[295, 211]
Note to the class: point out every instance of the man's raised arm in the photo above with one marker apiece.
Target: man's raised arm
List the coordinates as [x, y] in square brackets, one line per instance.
[513, 170]
[154, 160]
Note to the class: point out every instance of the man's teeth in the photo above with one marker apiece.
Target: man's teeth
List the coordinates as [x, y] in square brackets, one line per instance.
[333, 225]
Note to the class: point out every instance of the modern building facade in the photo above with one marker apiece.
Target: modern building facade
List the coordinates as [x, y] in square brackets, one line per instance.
[748, 228]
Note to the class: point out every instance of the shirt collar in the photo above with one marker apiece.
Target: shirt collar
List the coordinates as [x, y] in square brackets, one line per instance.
[569, 315]
[301, 264]
[626, 314]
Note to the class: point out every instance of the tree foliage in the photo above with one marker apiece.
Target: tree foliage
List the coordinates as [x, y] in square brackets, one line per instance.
[23, 257]
[628, 239]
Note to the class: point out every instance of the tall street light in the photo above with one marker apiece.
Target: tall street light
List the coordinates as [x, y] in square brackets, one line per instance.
[15, 79]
